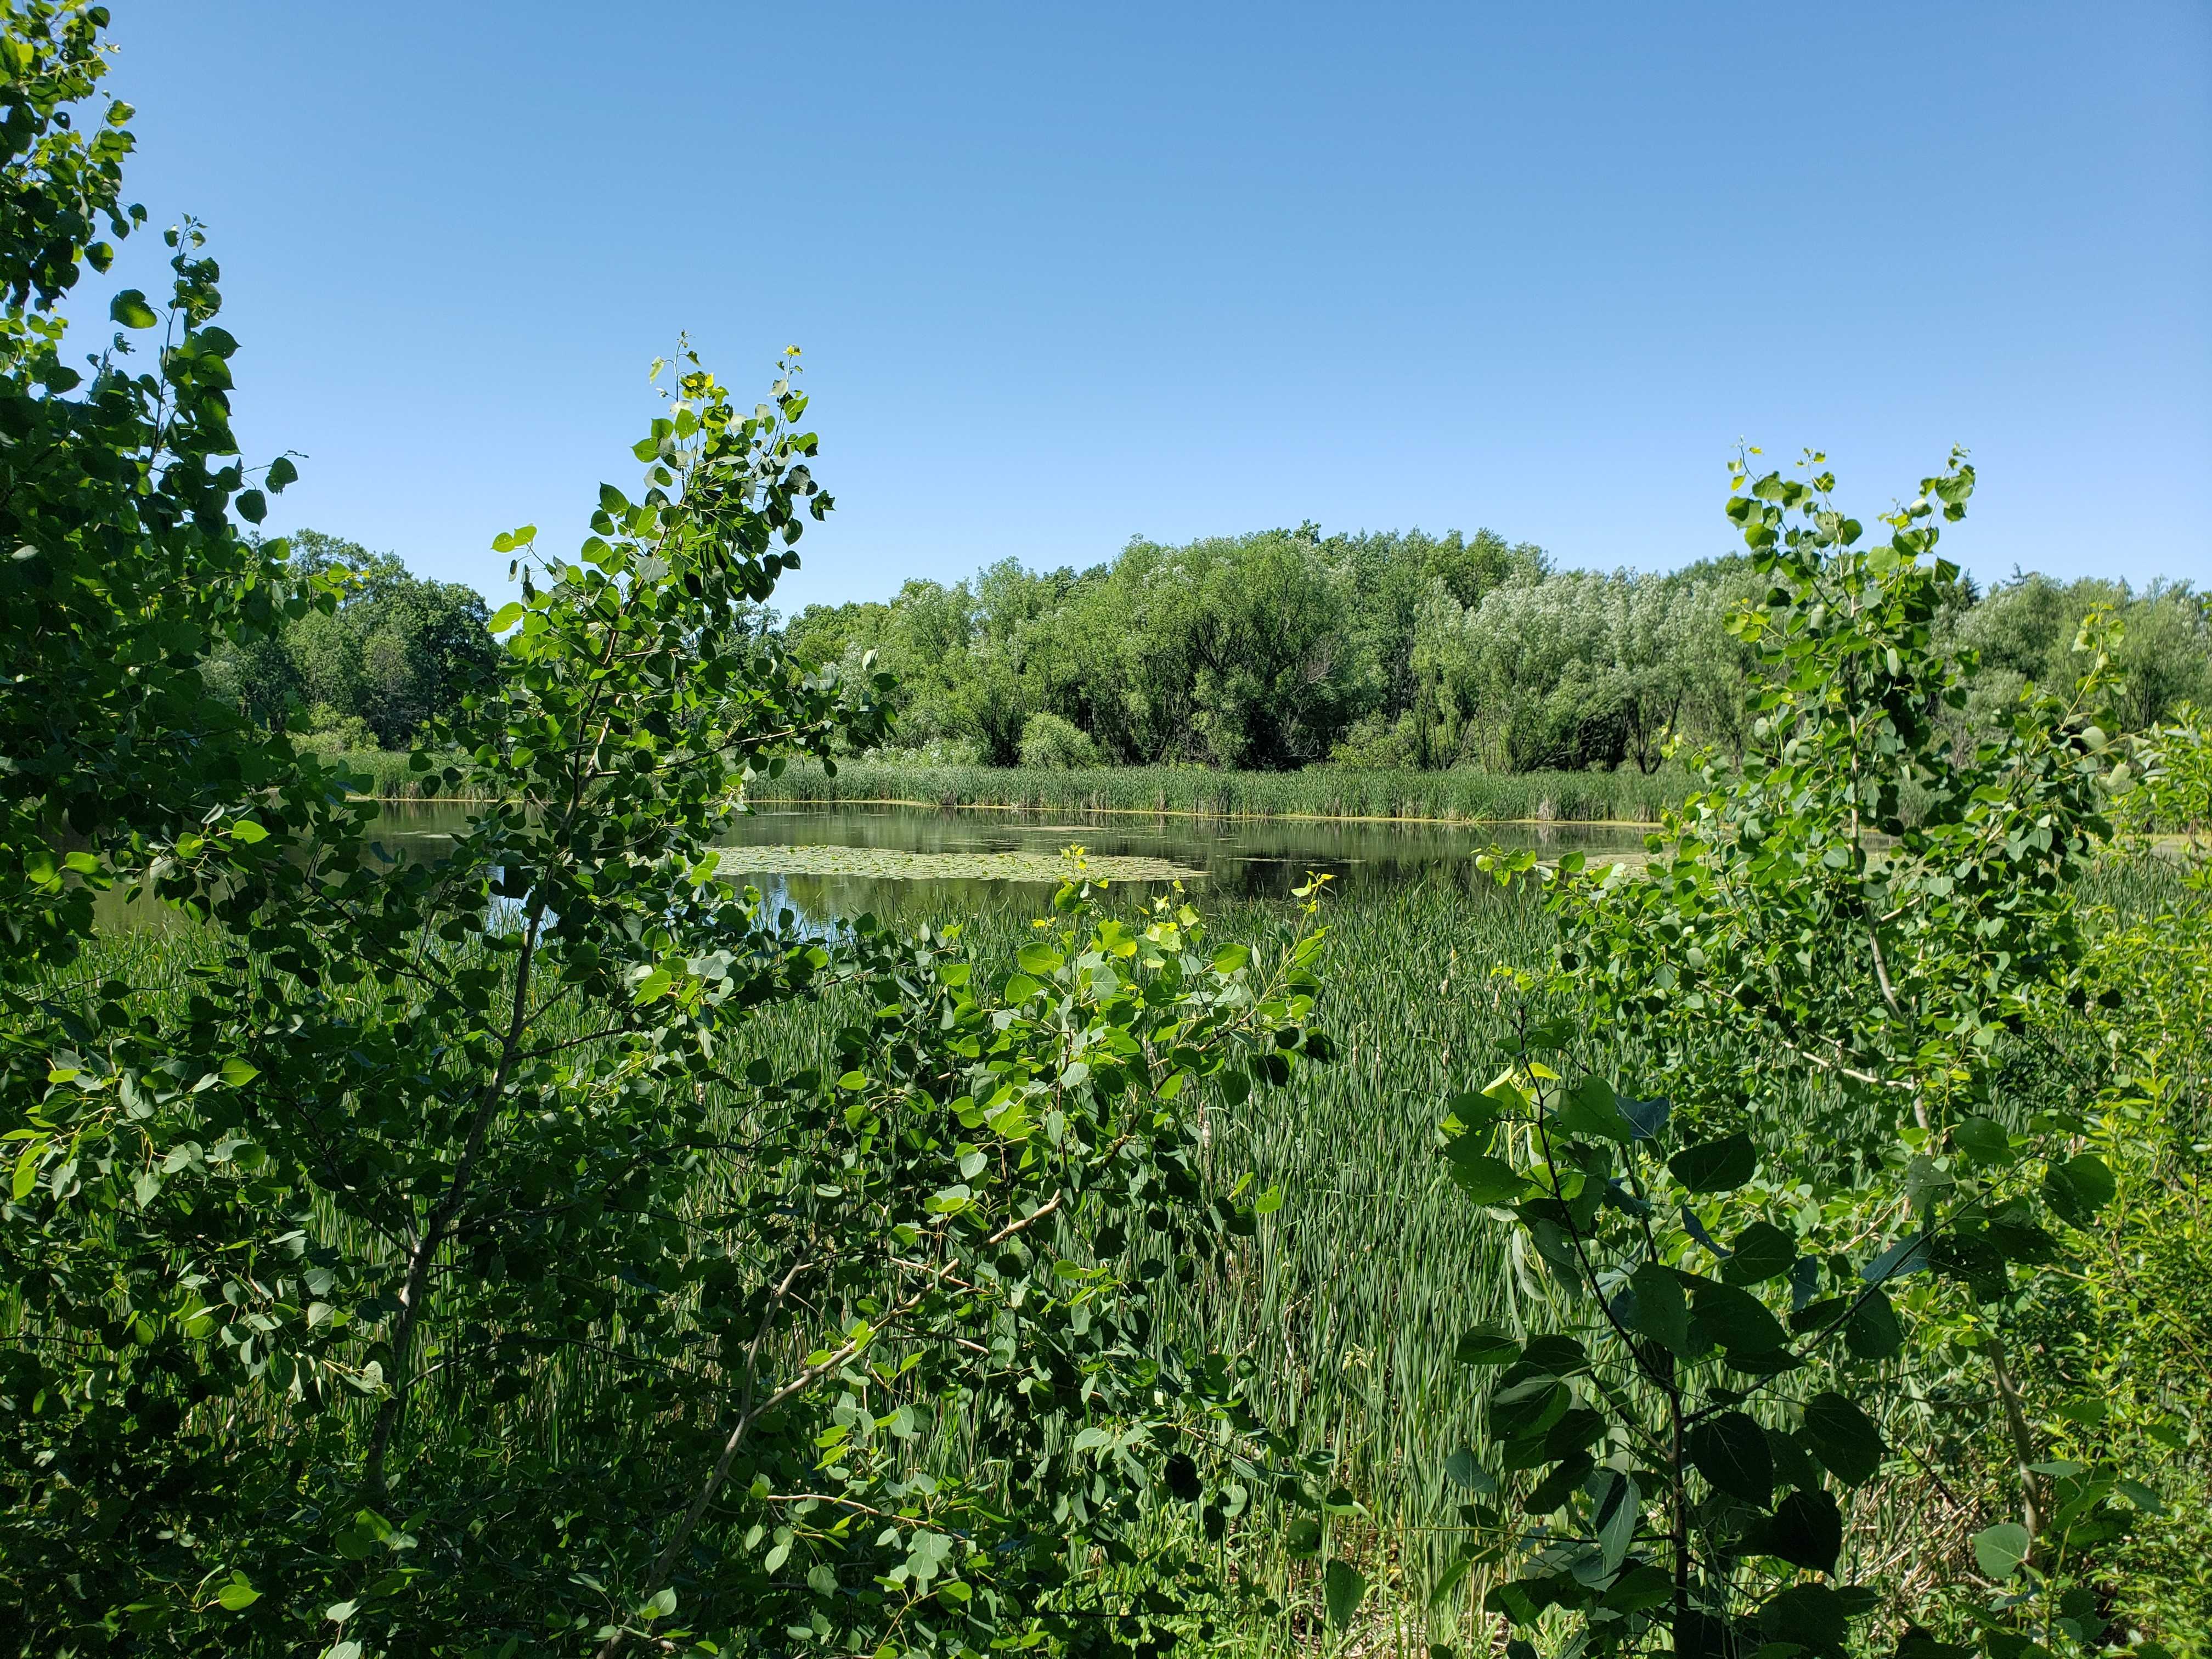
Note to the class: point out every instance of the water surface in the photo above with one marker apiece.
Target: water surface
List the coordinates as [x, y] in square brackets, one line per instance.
[914, 862]
[970, 856]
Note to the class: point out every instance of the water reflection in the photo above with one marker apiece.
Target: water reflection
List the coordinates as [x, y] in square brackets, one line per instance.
[1238, 858]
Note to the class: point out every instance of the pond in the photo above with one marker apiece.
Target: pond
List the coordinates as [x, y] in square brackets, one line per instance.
[828, 862]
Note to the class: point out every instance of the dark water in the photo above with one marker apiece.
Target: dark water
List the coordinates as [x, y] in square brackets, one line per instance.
[1228, 857]
[1222, 859]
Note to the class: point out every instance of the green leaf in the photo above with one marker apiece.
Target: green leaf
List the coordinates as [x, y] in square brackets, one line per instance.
[248, 830]
[280, 472]
[1982, 1141]
[1488, 1180]
[1487, 1344]
[238, 1595]
[2079, 1187]
[1462, 1469]
[1617, 1510]
[1040, 959]
[130, 309]
[253, 506]
[1555, 1488]
[1591, 1111]
[1659, 1310]
[237, 1073]
[1716, 1166]
[1344, 1590]
[1871, 1331]
[1811, 1615]
[1763, 1251]
[1807, 1530]
[1730, 1451]
[1638, 1588]
[662, 1603]
[2141, 1496]
[1555, 1352]
[1843, 1437]
[1736, 1319]
[507, 616]
[1910, 1254]
[2000, 1550]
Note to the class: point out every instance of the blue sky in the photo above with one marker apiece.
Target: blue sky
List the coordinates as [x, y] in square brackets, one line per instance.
[1064, 275]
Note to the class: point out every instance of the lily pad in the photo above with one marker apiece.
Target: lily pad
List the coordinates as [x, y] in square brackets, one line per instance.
[893, 864]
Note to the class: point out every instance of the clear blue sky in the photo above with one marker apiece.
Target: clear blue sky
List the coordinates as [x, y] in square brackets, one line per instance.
[1065, 274]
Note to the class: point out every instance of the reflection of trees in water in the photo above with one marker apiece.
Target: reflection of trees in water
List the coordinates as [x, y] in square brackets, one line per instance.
[1236, 860]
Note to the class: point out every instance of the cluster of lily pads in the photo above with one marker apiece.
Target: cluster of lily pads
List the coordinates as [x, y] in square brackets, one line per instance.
[893, 864]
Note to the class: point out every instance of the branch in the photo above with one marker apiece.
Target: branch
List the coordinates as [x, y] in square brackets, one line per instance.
[806, 1378]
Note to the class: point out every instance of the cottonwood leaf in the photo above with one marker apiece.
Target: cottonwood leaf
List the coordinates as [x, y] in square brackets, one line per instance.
[1716, 1166]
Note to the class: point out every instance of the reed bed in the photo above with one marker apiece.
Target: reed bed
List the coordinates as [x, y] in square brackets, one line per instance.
[1350, 1299]
[1320, 791]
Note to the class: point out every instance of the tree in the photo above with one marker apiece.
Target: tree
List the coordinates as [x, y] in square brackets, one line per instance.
[115, 498]
[1739, 1282]
[1050, 741]
[398, 651]
[457, 1278]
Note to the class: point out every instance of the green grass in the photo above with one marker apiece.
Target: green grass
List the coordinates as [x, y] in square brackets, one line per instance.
[1317, 791]
[384, 771]
[1321, 792]
[1350, 1299]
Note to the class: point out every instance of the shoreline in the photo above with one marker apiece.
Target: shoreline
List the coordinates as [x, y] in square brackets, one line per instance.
[1099, 811]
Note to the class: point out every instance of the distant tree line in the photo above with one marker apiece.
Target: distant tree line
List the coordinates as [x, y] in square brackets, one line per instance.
[1264, 652]
[1285, 648]
[398, 650]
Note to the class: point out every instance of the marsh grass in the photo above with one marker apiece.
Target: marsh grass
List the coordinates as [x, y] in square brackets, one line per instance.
[1321, 792]
[1316, 791]
[1349, 1300]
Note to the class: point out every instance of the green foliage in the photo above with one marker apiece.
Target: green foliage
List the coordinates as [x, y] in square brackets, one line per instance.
[428, 1139]
[1053, 743]
[1252, 652]
[1759, 1322]
[116, 491]
[1574, 669]
[2023, 630]
[398, 652]
[1406, 651]
[1316, 791]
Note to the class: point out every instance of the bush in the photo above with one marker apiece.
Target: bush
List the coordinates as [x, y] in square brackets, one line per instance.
[329, 728]
[1375, 744]
[1049, 741]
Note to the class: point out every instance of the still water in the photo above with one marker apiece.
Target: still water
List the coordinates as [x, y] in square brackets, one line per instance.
[828, 862]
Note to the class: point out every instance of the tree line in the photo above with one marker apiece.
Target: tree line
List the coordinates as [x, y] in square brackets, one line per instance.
[1264, 652]
[397, 651]
[1283, 649]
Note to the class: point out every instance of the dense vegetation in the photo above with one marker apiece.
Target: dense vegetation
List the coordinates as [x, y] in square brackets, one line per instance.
[1409, 675]
[1788, 1244]
[1398, 652]
[1317, 791]
[396, 653]
[1288, 648]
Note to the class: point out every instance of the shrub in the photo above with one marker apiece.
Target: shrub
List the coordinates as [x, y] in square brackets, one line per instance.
[1053, 743]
